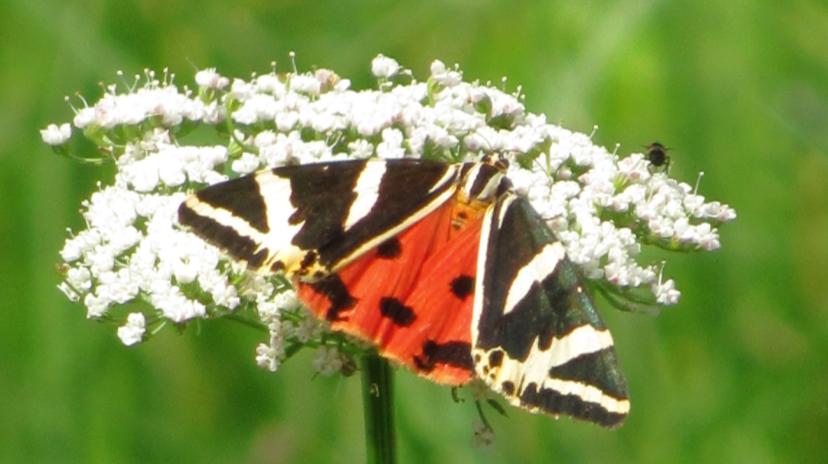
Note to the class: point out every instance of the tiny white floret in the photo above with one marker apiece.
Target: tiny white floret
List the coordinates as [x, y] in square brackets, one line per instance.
[384, 67]
[133, 331]
[56, 135]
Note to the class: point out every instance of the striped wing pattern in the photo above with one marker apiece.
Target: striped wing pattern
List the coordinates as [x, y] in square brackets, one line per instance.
[537, 337]
[309, 220]
[441, 266]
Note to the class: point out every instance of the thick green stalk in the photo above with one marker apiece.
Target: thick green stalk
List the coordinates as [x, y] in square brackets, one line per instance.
[377, 399]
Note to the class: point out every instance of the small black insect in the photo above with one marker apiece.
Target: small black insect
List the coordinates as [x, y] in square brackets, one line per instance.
[657, 155]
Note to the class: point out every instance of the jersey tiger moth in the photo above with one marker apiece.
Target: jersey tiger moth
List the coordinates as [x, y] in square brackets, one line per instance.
[443, 267]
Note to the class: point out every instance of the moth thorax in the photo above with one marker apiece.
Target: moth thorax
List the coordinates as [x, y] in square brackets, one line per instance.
[479, 186]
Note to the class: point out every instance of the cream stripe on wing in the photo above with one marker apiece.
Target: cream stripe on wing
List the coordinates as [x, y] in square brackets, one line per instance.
[469, 178]
[448, 176]
[276, 193]
[583, 391]
[536, 270]
[397, 228]
[225, 218]
[366, 189]
[589, 394]
[479, 287]
[535, 369]
[585, 339]
[504, 207]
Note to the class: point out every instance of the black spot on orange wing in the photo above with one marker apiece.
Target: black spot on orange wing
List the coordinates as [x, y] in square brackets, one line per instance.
[458, 222]
[336, 292]
[462, 286]
[452, 353]
[390, 248]
[399, 314]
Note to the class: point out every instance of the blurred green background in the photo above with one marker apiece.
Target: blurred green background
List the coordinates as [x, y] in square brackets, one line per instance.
[738, 372]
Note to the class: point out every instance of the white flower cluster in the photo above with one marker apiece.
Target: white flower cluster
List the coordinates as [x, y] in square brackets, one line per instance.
[132, 250]
[602, 207]
[160, 101]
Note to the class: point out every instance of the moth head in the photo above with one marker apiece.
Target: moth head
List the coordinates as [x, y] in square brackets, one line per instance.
[497, 160]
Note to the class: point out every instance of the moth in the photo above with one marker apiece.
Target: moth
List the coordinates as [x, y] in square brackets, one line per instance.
[443, 267]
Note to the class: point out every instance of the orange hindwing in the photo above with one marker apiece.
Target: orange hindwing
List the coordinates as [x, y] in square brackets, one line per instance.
[412, 296]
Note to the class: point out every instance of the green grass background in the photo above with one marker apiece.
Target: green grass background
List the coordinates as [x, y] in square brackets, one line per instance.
[737, 372]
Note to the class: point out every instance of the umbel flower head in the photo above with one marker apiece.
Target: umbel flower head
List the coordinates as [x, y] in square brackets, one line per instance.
[135, 266]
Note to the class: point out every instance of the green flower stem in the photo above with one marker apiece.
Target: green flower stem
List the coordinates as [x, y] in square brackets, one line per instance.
[377, 399]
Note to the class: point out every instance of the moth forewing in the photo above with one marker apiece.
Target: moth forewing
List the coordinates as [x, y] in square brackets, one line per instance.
[537, 338]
